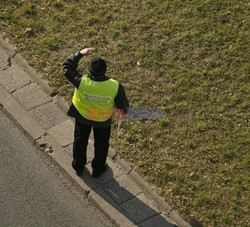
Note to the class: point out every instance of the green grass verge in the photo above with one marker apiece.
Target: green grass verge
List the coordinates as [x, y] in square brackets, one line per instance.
[194, 64]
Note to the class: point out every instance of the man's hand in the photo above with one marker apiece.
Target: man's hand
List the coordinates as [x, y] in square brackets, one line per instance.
[87, 51]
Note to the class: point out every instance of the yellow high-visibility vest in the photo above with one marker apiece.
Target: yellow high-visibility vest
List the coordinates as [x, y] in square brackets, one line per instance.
[94, 100]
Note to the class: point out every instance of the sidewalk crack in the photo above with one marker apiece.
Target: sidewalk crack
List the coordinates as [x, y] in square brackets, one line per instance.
[154, 215]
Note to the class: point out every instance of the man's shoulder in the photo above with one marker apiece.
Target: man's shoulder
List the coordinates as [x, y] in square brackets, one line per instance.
[114, 80]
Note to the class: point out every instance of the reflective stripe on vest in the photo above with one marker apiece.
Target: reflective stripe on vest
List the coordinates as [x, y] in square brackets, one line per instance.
[94, 100]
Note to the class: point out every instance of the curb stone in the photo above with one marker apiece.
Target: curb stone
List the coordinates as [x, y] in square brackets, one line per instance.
[125, 165]
[58, 153]
[15, 111]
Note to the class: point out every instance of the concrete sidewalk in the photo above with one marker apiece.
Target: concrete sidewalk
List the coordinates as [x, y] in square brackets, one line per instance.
[120, 192]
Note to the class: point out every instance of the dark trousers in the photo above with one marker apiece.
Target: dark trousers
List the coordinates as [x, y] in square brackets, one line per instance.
[101, 146]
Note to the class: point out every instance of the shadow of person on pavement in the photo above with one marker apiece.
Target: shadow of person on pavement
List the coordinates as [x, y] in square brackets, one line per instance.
[129, 203]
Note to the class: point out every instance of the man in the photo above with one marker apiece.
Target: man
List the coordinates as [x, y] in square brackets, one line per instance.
[93, 104]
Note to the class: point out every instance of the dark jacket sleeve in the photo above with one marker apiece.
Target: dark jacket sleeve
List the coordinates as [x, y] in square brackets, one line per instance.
[70, 69]
[121, 101]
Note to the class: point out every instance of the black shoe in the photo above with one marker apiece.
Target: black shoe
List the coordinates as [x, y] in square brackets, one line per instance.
[98, 173]
[79, 170]
[79, 173]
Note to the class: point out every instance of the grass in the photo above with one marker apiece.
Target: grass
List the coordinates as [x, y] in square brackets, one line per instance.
[187, 57]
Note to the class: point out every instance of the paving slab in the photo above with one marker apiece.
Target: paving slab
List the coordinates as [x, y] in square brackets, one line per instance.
[112, 153]
[4, 60]
[157, 221]
[90, 151]
[48, 115]
[110, 207]
[69, 150]
[14, 78]
[88, 180]
[19, 60]
[16, 111]
[31, 96]
[63, 132]
[112, 172]
[140, 208]
[122, 189]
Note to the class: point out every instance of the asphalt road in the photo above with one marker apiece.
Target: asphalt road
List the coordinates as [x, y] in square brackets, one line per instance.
[31, 193]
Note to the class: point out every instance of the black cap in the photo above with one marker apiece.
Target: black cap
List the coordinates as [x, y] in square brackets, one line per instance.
[98, 66]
